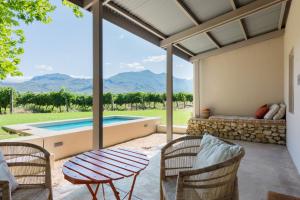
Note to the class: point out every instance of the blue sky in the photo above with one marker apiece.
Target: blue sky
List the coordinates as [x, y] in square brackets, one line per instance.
[65, 46]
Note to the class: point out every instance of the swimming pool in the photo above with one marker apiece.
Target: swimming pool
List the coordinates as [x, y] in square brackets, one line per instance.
[65, 138]
[83, 123]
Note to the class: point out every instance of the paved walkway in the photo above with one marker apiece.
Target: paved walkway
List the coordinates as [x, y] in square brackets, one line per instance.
[265, 167]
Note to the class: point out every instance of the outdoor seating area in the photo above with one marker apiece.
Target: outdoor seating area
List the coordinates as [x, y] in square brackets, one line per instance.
[257, 173]
[244, 53]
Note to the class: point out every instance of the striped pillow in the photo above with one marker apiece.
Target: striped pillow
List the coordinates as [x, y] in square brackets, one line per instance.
[281, 112]
[273, 110]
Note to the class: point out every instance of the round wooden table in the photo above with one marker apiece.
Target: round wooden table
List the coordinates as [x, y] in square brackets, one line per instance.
[103, 167]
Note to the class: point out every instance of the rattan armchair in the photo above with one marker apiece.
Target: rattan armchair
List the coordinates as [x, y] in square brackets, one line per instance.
[179, 181]
[30, 164]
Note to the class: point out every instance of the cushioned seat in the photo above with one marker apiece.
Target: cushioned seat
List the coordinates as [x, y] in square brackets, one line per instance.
[37, 193]
[196, 168]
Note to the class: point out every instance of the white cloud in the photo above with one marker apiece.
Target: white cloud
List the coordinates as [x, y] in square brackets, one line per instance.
[17, 79]
[134, 66]
[155, 59]
[107, 63]
[44, 68]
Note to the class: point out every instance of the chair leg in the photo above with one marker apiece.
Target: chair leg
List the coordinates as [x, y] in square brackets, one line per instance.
[161, 192]
[236, 190]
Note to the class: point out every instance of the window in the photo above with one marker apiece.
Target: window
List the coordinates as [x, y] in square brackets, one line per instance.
[291, 81]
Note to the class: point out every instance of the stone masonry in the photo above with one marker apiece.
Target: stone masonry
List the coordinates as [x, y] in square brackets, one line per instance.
[252, 130]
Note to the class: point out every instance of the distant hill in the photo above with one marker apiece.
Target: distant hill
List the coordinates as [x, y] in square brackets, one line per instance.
[143, 81]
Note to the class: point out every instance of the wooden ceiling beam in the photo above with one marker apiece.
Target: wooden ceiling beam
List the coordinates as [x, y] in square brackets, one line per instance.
[234, 46]
[242, 25]
[149, 30]
[234, 15]
[282, 12]
[143, 24]
[195, 20]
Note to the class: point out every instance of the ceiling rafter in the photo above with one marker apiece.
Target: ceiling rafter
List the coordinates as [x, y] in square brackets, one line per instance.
[87, 4]
[282, 12]
[237, 45]
[195, 20]
[143, 24]
[241, 23]
[234, 15]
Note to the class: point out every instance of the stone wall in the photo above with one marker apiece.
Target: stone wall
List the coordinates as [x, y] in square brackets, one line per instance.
[264, 131]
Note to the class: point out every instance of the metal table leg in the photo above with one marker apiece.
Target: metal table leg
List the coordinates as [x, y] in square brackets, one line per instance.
[132, 186]
[116, 193]
[94, 194]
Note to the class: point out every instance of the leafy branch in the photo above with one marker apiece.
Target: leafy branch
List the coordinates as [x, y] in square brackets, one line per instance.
[12, 38]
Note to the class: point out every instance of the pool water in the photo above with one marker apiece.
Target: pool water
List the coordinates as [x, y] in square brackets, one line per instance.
[83, 123]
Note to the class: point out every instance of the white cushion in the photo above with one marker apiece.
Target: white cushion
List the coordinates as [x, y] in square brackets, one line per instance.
[273, 110]
[6, 175]
[281, 112]
[214, 151]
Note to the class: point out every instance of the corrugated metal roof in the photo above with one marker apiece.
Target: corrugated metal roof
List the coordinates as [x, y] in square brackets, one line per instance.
[212, 8]
[154, 12]
[198, 43]
[169, 18]
[263, 21]
[229, 33]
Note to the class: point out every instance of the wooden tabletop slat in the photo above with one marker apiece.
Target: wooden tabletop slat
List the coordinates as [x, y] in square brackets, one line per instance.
[132, 151]
[124, 156]
[74, 177]
[120, 160]
[130, 154]
[97, 169]
[113, 162]
[85, 172]
[107, 166]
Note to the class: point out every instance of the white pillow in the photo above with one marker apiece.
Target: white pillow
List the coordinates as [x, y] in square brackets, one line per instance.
[6, 175]
[281, 112]
[273, 110]
[214, 151]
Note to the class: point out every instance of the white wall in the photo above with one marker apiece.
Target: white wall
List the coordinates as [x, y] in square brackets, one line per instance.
[292, 40]
[239, 81]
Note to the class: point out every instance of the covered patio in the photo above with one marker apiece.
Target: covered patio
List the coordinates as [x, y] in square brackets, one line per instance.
[200, 31]
[266, 167]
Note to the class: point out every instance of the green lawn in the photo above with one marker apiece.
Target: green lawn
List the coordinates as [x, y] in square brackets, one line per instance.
[180, 117]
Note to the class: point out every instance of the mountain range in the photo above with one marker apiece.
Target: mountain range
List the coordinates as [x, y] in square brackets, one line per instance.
[142, 81]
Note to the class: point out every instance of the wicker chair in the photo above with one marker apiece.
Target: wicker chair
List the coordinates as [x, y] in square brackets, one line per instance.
[179, 181]
[30, 164]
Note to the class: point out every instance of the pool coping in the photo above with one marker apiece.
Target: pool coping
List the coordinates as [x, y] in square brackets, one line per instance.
[31, 130]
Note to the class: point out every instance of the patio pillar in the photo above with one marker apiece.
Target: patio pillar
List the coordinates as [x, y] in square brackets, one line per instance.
[97, 76]
[169, 94]
[196, 88]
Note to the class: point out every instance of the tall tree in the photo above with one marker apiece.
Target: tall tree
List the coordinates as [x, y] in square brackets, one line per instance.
[12, 38]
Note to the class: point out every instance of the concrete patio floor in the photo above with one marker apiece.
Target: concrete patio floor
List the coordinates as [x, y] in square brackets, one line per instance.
[265, 167]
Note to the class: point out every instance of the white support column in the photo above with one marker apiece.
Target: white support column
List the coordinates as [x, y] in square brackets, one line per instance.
[169, 93]
[196, 88]
[97, 76]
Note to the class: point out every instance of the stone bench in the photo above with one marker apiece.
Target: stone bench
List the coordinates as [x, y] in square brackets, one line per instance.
[252, 130]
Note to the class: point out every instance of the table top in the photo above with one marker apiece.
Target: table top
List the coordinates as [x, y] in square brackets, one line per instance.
[104, 165]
